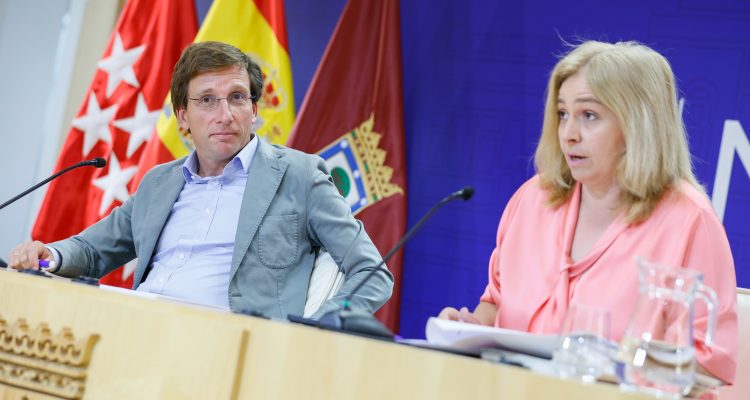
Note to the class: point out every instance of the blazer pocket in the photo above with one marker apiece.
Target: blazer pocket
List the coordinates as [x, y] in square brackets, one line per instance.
[277, 240]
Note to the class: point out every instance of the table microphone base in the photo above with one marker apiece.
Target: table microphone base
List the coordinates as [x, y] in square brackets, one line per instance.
[34, 272]
[355, 322]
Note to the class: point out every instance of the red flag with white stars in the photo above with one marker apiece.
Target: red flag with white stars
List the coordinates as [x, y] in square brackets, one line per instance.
[117, 120]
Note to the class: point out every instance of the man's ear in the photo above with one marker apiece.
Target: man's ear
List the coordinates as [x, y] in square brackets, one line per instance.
[182, 119]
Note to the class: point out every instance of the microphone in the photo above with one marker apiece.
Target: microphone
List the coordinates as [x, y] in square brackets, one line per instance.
[464, 193]
[96, 163]
[357, 322]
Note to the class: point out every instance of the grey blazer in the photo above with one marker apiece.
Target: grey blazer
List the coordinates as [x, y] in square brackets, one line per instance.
[290, 209]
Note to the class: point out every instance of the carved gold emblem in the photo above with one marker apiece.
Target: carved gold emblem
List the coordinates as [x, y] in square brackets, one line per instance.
[358, 167]
[38, 361]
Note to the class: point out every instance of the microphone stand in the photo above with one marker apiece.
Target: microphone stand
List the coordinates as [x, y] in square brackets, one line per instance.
[96, 162]
[363, 323]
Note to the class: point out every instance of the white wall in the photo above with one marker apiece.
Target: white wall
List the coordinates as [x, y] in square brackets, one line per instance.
[44, 72]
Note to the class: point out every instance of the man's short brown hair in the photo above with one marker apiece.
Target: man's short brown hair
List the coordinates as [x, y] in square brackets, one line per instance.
[202, 57]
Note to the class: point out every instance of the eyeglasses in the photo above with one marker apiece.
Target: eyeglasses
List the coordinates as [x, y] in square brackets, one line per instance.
[211, 102]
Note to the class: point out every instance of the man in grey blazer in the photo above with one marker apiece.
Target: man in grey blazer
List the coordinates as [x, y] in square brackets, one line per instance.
[237, 223]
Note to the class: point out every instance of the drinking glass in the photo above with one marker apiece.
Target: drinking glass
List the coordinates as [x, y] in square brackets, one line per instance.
[584, 351]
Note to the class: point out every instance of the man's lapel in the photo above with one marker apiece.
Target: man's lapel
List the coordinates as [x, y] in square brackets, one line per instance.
[167, 187]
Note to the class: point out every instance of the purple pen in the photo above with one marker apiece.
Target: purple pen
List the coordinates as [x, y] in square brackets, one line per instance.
[46, 264]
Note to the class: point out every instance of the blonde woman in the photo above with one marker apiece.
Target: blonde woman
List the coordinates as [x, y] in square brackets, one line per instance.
[614, 181]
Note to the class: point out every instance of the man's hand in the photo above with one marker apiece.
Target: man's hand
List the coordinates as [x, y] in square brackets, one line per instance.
[27, 255]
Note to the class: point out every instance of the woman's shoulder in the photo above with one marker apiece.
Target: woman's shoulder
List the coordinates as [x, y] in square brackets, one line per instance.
[685, 200]
[533, 194]
[530, 196]
[532, 187]
[689, 196]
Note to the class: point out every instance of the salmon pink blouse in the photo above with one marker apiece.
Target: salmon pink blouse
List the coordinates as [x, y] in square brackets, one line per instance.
[532, 279]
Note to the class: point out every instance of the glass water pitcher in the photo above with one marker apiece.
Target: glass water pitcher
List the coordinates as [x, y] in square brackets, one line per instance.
[657, 350]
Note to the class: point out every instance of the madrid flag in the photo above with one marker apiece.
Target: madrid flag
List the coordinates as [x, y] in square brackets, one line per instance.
[352, 116]
[117, 118]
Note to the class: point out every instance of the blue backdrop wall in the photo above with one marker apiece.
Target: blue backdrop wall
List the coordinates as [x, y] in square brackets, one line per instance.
[474, 75]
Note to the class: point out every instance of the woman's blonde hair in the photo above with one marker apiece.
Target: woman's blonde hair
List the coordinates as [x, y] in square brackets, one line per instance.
[637, 84]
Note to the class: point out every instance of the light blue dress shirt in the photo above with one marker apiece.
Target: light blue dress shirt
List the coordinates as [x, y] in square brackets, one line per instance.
[193, 257]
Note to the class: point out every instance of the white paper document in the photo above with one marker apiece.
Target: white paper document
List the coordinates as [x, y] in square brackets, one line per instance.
[149, 295]
[470, 337]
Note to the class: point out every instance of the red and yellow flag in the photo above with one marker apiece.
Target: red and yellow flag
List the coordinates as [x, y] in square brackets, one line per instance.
[352, 116]
[257, 27]
[116, 120]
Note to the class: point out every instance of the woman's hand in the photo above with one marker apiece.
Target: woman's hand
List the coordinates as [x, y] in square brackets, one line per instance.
[462, 315]
[484, 314]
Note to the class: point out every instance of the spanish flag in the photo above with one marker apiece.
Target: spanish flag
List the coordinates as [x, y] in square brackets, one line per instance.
[257, 27]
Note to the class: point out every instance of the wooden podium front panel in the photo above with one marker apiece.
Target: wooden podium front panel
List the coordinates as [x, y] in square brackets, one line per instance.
[147, 349]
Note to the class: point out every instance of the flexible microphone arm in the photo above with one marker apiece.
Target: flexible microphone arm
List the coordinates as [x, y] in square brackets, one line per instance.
[96, 162]
[464, 194]
[348, 320]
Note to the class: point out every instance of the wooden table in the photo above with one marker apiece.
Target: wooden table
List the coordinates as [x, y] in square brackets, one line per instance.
[155, 349]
